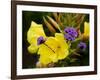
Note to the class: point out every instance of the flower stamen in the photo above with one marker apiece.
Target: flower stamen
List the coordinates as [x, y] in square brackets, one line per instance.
[49, 47]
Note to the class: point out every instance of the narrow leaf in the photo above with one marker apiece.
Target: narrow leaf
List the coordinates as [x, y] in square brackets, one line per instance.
[54, 23]
[50, 27]
[55, 16]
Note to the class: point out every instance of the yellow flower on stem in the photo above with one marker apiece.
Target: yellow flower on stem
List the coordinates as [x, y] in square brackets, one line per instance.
[53, 49]
[86, 30]
[35, 31]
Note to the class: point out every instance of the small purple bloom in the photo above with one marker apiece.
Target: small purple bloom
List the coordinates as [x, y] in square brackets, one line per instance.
[68, 29]
[69, 37]
[40, 40]
[82, 45]
[71, 31]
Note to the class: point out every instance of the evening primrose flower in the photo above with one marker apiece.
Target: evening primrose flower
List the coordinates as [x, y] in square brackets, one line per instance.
[86, 29]
[53, 49]
[35, 31]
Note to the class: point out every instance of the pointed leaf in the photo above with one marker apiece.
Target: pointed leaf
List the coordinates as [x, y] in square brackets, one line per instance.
[50, 27]
[54, 23]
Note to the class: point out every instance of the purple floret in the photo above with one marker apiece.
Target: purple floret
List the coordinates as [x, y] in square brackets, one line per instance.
[40, 40]
[69, 37]
[82, 45]
[71, 31]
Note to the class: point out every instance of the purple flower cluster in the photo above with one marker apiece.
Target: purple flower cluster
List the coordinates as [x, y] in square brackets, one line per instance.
[69, 37]
[40, 40]
[82, 45]
[71, 33]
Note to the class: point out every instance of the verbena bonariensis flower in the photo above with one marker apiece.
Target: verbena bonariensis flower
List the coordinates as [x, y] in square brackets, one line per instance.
[69, 37]
[70, 33]
[40, 40]
[82, 45]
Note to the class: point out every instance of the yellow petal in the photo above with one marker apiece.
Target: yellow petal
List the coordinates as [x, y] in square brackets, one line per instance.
[45, 60]
[63, 50]
[32, 48]
[48, 49]
[34, 32]
[62, 54]
[62, 41]
[52, 43]
[86, 29]
[53, 57]
[44, 50]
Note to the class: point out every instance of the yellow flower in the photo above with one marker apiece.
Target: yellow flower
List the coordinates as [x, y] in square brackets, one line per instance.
[86, 29]
[35, 31]
[54, 49]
